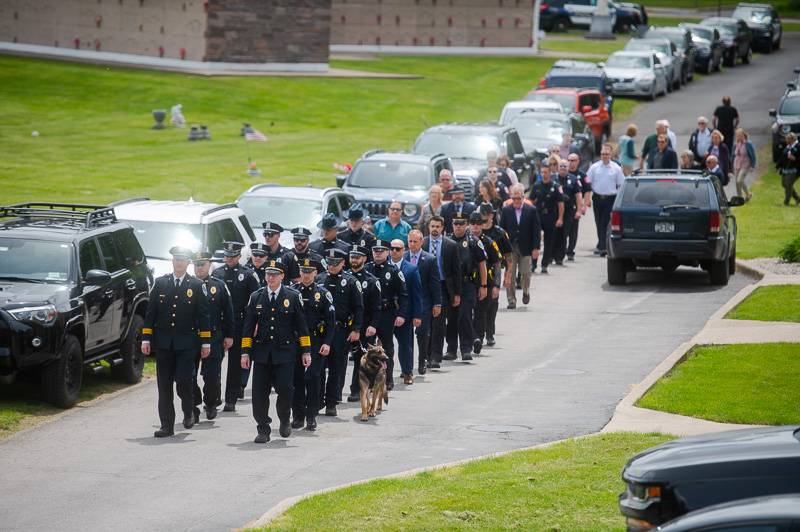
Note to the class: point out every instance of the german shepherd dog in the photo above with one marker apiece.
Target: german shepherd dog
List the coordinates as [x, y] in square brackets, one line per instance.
[372, 378]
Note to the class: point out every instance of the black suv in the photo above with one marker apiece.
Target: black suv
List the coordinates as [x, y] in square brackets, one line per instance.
[74, 285]
[787, 119]
[378, 178]
[737, 39]
[671, 218]
[764, 22]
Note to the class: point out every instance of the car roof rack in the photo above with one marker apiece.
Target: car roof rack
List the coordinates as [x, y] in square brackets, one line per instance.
[370, 153]
[128, 200]
[647, 172]
[89, 215]
[219, 208]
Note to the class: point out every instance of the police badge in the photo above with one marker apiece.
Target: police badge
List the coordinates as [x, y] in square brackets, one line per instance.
[286, 303]
[189, 292]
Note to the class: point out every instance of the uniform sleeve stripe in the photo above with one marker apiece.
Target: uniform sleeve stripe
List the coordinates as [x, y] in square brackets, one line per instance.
[247, 342]
[205, 334]
[146, 330]
[305, 341]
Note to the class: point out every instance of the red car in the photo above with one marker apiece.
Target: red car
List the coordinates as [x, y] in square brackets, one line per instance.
[588, 102]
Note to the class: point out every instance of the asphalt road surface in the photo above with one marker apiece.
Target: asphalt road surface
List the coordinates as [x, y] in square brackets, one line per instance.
[564, 362]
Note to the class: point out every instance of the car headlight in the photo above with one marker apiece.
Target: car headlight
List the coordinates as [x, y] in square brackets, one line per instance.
[410, 210]
[45, 314]
[786, 128]
[644, 492]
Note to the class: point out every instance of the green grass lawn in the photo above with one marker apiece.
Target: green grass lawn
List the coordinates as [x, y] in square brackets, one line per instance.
[745, 383]
[568, 486]
[783, 6]
[20, 402]
[669, 21]
[583, 45]
[770, 303]
[765, 225]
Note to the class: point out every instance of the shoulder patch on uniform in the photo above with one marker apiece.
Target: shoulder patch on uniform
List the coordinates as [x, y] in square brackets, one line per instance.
[329, 297]
[241, 277]
[480, 244]
[358, 286]
[401, 276]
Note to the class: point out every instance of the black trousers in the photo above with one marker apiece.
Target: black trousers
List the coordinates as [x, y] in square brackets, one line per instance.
[266, 376]
[562, 234]
[481, 316]
[439, 326]
[386, 336]
[460, 331]
[305, 400]
[788, 180]
[602, 206]
[211, 370]
[548, 233]
[572, 239]
[174, 367]
[494, 304]
[233, 381]
[423, 334]
[336, 364]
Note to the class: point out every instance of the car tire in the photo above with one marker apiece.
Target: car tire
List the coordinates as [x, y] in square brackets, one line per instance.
[730, 61]
[718, 272]
[769, 47]
[130, 370]
[748, 57]
[617, 271]
[732, 262]
[561, 25]
[778, 43]
[653, 93]
[61, 380]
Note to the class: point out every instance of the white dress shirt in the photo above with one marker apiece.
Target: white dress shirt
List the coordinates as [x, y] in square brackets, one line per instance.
[605, 178]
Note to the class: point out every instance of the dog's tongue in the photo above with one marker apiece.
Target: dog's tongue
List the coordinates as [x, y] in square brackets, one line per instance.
[383, 365]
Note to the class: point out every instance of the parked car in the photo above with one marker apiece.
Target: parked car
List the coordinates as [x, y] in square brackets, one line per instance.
[764, 23]
[516, 108]
[708, 42]
[736, 39]
[580, 77]
[539, 131]
[680, 476]
[684, 47]
[292, 207]
[588, 102]
[467, 145]
[553, 16]
[379, 177]
[667, 53]
[787, 119]
[671, 218]
[581, 12]
[637, 74]
[629, 16]
[778, 513]
[159, 225]
[74, 286]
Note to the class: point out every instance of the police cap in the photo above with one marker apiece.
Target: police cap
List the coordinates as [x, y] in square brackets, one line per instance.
[355, 249]
[274, 266]
[300, 233]
[328, 222]
[460, 218]
[181, 253]
[381, 245]
[475, 218]
[486, 208]
[259, 250]
[335, 255]
[232, 249]
[355, 212]
[271, 228]
[308, 264]
[201, 256]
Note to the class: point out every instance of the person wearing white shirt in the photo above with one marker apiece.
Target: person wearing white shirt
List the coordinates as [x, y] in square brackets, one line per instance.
[606, 177]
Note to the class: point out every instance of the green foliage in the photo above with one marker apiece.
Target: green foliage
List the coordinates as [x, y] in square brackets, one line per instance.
[791, 251]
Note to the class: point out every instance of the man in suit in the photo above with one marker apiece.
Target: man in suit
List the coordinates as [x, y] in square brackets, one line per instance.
[458, 205]
[521, 222]
[431, 294]
[663, 157]
[445, 252]
[413, 316]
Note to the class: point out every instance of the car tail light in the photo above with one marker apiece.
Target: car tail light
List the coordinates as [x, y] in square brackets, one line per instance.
[616, 221]
[542, 83]
[713, 222]
[544, 7]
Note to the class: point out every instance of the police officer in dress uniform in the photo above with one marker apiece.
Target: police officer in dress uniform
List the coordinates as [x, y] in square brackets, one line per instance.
[493, 262]
[574, 161]
[371, 295]
[241, 282]
[176, 326]
[394, 301]
[500, 237]
[347, 301]
[573, 206]
[474, 287]
[294, 257]
[222, 330]
[274, 332]
[355, 232]
[272, 236]
[258, 262]
[329, 226]
[320, 317]
[548, 197]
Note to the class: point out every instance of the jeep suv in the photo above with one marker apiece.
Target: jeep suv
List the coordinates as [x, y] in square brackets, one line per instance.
[787, 119]
[378, 178]
[764, 23]
[672, 218]
[74, 285]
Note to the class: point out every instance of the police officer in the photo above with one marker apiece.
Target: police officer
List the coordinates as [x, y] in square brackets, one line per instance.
[293, 258]
[329, 226]
[548, 197]
[371, 296]
[349, 307]
[500, 237]
[272, 236]
[222, 331]
[574, 161]
[394, 301]
[355, 232]
[474, 287]
[573, 206]
[176, 326]
[320, 317]
[493, 262]
[274, 332]
[258, 262]
[241, 282]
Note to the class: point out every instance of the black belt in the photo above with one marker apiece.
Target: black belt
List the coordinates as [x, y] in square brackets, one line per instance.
[389, 305]
[596, 195]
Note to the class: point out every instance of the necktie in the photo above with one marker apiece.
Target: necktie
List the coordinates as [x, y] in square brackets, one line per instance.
[272, 298]
[414, 260]
[435, 248]
[177, 283]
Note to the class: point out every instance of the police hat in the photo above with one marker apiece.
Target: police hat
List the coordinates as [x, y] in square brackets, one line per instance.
[475, 218]
[355, 249]
[456, 189]
[381, 245]
[335, 254]
[460, 217]
[181, 253]
[201, 256]
[355, 212]
[328, 222]
[309, 264]
[300, 233]
[486, 208]
[274, 266]
[232, 249]
[271, 228]
[258, 249]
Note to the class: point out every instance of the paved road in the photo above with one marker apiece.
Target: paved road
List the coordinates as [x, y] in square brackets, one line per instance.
[567, 359]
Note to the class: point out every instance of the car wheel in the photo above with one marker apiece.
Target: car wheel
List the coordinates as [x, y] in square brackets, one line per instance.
[730, 61]
[769, 47]
[652, 95]
[561, 25]
[748, 57]
[718, 272]
[61, 380]
[130, 370]
[732, 262]
[778, 43]
[617, 272]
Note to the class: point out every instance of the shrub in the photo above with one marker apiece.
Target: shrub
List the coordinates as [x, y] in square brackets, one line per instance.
[791, 251]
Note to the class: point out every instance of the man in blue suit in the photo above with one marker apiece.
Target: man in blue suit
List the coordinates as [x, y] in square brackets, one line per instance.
[413, 317]
[431, 294]
[457, 206]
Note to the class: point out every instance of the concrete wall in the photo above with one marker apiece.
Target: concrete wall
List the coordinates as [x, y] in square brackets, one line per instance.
[432, 22]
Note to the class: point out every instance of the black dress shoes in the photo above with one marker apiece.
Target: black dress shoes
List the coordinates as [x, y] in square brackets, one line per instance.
[262, 438]
[526, 298]
[490, 341]
[422, 369]
[229, 407]
[330, 411]
[164, 432]
[477, 345]
[353, 398]
[434, 365]
[449, 356]
[511, 306]
[311, 424]
[285, 429]
[297, 423]
[390, 386]
[466, 357]
[241, 392]
[196, 415]
[211, 413]
[188, 421]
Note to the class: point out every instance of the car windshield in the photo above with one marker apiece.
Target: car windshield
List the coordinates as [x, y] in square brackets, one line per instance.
[567, 101]
[541, 128]
[35, 260]
[458, 146]
[595, 82]
[790, 106]
[509, 113]
[703, 33]
[753, 14]
[658, 47]
[158, 237]
[676, 38]
[391, 174]
[660, 193]
[287, 212]
[627, 61]
[725, 30]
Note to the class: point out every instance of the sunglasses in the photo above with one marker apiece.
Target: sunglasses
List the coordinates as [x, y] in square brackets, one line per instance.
[455, 222]
[396, 248]
[394, 209]
[259, 255]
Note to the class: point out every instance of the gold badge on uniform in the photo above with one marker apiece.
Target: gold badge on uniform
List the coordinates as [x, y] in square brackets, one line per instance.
[286, 303]
[464, 243]
[306, 262]
[213, 290]
[316, 296]
[189, 292]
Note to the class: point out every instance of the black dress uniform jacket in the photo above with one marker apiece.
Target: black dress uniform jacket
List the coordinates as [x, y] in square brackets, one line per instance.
[241, 282]
[220, 308]
[360, 237]
[177, 317]
[273, 331]
[319, 312]
[292, 260]
[347, 299]
[321, 246]
[371, 296]
[471, 253]
[394, 294]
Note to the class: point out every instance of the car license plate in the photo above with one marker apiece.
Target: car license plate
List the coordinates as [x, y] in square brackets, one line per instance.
[665, 227]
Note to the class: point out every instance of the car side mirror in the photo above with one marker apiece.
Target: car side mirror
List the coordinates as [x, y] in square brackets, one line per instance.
[736, 201]
[791, 86]
[601, 64]
[97, 277]
[796, 70]
[586, 109]
[773, 113]
[340, 179]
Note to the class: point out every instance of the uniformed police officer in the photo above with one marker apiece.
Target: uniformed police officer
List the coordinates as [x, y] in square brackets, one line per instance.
[241, 282]
[258, 262]
[500, 237]
[274, 332]
[294, 257]
[371, 295]
[574, 161]
[355, 232]
[573, 206]
[329, 226]
[349, 308]
[394, 301]
[222, 331]
[548, 197]
[176, 326]
[474, 287]
[320, 317]
[272, 236]
[493, 262]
